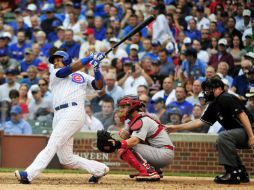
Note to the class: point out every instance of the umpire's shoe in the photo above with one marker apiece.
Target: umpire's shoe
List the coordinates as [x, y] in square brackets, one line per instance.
[228, 178]
[95, 179]
[22, 177]
[244, 176]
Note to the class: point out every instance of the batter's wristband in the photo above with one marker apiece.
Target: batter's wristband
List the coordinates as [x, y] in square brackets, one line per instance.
[85, 60]
[97, 75]
[124, 144]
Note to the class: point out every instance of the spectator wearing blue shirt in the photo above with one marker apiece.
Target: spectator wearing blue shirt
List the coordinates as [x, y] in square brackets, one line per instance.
[156, 47]
[29, 60]
[132, 22]
[78, 10]
[69, 45]
[16, 50]
[241, 84]
[20, 25]
[99, 29]
[17, 125]
[32, 77]
[192, 31]
[147, 45]
[167, 66]
[192, 67]
[185, 106]
[100, 10]
[136, 39]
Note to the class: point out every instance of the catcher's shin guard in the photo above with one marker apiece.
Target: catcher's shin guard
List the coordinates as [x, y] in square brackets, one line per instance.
[146, 171]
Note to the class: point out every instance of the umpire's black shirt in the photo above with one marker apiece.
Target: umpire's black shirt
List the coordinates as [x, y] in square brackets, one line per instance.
[225, 109]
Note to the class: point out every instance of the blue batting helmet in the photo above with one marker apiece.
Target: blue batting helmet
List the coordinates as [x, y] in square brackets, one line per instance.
[66, 58]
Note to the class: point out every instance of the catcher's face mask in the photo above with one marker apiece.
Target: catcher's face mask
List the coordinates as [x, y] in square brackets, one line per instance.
[127, 105]
[123, 111]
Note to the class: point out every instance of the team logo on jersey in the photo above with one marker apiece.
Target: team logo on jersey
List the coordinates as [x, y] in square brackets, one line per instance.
[77, 78]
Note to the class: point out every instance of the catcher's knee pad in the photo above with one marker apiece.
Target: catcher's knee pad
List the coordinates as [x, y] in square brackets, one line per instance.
[122, 151]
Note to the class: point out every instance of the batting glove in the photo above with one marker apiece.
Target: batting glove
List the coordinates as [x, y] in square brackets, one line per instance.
[91, 56]
[96, 65]
[99, 56]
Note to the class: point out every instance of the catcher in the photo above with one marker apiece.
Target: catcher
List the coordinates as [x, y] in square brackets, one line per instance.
[146, 145]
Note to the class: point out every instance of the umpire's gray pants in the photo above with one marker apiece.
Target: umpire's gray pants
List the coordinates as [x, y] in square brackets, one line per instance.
[157, 157]
[227, 144]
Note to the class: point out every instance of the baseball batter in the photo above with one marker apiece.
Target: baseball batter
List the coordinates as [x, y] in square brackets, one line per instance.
[146, 145]
[69, 90]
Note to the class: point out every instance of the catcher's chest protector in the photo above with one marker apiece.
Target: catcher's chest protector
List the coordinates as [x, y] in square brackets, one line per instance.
[136, 123]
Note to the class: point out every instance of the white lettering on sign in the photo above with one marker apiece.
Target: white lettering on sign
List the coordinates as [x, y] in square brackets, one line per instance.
[93, 155]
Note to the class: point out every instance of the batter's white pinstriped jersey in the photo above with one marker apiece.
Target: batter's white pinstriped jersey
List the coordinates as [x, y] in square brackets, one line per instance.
[67, 121]
[69, 89]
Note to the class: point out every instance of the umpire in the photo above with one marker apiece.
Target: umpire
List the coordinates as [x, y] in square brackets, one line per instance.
[228, 110]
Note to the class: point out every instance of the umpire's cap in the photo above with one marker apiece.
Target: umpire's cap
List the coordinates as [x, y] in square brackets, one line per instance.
[212, 83]
[66, 58]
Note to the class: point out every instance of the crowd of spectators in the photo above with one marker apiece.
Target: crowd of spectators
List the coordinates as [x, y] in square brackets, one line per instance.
[164, 64]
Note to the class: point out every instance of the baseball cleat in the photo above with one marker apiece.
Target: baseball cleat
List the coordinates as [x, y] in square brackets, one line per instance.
[22, 177]
[137, 174]
[95, 179]
[150, 177]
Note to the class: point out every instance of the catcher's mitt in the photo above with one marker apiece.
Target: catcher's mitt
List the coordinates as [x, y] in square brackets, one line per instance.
[105, 142]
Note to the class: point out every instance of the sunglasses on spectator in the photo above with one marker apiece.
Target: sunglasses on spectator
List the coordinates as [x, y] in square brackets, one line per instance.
[42, 84]
[109, 32]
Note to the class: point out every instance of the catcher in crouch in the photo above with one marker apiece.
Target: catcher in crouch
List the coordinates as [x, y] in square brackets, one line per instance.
[146, 145]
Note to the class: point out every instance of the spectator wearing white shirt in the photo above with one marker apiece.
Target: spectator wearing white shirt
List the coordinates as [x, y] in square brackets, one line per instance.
[249, 31]
[132, 79]
[196, 88]
[93, 123]
[109, 35]
[167, 93]
[90, 41]
[112, 88]
[60, 31]
[74, 25]
[202, 55]
[161, 30]
[117, 52]
[223, 70]
[9, 85]
[202, 21]
[244, 24]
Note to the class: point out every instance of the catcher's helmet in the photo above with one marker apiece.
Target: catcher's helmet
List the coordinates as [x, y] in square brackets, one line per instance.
[66, 58]
[133, 102]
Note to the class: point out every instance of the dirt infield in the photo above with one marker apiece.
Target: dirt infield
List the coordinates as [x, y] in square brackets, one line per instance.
[114, 182]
